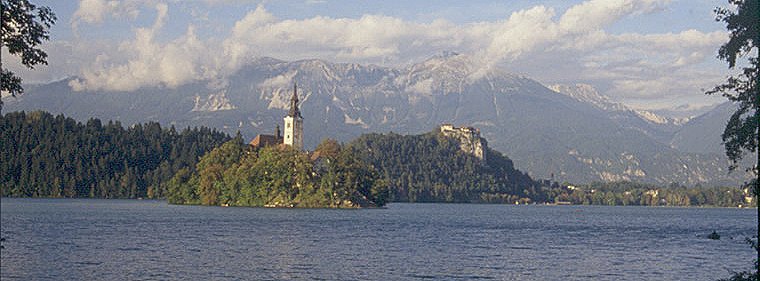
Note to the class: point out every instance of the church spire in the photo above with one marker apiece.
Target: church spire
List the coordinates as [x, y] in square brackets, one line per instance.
[294, 112]
[294, 123]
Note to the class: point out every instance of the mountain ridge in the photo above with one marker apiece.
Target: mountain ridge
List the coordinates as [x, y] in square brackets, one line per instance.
[546, 133]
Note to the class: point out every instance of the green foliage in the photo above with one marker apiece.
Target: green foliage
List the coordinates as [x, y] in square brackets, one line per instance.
[640, 194]
[328, 148]
[24, 27]
[432, 168]
[279, 176]
[42, 155]
[742, 132]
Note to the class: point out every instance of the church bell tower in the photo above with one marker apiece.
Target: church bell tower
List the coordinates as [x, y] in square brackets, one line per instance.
[294, 123]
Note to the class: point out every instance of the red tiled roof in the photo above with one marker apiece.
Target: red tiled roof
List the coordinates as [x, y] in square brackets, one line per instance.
[265, 140]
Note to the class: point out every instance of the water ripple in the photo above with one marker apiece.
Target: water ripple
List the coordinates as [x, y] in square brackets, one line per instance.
[150, 240]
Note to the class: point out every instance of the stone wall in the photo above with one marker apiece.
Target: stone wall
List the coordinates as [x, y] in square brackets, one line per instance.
[469, 139]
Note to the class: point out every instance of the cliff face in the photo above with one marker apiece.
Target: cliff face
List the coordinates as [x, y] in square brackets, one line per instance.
[469, 139]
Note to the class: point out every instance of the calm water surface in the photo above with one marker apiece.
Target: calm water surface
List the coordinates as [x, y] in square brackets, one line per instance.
[71, 239]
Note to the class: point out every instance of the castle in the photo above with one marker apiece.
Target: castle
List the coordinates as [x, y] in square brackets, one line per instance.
[293, 128]
[469, 139]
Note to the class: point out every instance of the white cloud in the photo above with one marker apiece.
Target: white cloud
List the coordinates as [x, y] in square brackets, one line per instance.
[595, 14]
[171, 64]
[369, 38]
[95, 11]
[537, 41]
[656, 66]
[92, 11]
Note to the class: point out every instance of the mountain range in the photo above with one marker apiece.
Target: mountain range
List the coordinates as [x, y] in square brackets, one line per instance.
[561, 132]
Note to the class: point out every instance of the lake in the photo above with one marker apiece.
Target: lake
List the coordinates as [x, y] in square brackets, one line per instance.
[92, 239]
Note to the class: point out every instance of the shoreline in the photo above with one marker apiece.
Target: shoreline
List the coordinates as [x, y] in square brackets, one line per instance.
[370, 207]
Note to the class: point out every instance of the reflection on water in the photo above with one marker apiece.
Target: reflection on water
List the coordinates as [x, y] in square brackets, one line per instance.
[72, 239]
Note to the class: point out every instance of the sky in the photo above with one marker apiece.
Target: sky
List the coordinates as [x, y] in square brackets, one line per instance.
[647, 54]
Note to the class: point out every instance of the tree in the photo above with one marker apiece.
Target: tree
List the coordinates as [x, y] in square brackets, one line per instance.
[329, 148]
[24, 27]
[742, 133]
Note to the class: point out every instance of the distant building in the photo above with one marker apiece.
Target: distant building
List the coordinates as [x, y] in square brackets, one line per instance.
[469, 139]
[294, 123]
[293, 128]
[267, 140]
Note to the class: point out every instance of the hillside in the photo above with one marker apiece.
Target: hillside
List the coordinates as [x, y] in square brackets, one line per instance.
[42, 155]
[432, 167]
[703, 133]
[546, 133]
[657, 127]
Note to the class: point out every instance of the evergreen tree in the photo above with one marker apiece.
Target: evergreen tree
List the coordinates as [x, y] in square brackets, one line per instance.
[50, 156]
[432, 168]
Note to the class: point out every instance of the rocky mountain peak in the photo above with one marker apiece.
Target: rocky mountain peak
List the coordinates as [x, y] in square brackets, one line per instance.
[589, 94]
[449, 64]
[533, 125]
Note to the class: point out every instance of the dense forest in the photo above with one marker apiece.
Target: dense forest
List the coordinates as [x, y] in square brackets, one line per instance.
[236, 174]
[42, 155]
[432, 168]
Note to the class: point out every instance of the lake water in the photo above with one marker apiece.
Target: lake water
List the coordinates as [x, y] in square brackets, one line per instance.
[72, 239]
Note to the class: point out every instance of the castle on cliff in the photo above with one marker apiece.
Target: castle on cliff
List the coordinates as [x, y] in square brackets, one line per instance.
[469, 139]
[293, 128]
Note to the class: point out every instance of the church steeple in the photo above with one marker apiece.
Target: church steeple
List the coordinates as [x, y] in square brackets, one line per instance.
[294, 112]
[294, 123]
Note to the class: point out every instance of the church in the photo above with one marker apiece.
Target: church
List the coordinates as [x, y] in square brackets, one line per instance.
[293, 128]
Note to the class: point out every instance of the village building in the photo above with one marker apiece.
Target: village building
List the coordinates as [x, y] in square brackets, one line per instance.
[267, 140]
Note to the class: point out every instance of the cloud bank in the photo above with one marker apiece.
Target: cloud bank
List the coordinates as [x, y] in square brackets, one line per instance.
[537, 41]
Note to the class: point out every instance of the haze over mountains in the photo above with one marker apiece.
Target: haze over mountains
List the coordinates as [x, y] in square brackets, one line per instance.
[568, 132]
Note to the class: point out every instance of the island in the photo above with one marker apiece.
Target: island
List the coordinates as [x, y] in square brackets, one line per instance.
[42, 155]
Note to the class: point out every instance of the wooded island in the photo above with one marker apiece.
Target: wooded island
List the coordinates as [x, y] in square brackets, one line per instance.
[42, 155]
